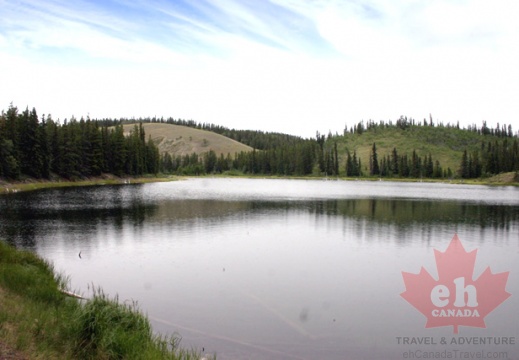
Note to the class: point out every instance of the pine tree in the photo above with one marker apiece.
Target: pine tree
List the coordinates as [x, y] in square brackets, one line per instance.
[166, 163]
[91, 148]
[70, 150]
[374, 167]
[403, 166]
[31, 155]
[476, 168]
[152, 157]
[415, 168]
[8, 163]
[438, 172]
[349, 164]
[357, 168]
[118, 151]
[384, 167]
[45, 147]
[320, 152]
[53, 136]
[394, 162]
[336, 159]
[210, 161]
[464, 167]
[429, 168]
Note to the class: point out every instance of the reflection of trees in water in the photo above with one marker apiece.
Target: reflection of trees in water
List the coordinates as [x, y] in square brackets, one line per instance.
[183, 209]
[408, 212]
[405, 221]
[26, 216]
[400, 212]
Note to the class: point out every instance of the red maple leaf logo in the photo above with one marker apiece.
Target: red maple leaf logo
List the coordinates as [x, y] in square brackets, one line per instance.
[455, 298]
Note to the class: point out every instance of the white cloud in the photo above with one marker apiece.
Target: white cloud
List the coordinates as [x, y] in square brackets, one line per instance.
[241, 69]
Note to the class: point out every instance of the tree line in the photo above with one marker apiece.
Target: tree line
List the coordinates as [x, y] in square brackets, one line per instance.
[405, 123]
[256, 139]
[492, 158]
[402, 166]
[42, 148]
[75, 149]
[291, 158]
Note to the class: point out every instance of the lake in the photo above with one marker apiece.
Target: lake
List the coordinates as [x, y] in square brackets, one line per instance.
[279, 269]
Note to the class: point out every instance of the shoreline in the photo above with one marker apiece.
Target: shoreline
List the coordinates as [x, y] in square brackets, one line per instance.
[41, 321]
[6, 187]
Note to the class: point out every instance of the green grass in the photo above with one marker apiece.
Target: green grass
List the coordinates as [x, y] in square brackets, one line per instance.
[37, 319]
[34, 184]
[444, 144]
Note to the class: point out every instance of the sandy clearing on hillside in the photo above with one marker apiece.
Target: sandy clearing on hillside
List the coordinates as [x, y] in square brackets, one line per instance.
[183, 140]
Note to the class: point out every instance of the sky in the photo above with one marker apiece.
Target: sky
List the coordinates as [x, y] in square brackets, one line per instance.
[290, 66]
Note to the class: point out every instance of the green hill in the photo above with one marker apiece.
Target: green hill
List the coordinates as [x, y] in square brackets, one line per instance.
[298, 156]
[445, 144]
[183, 140]
[80, 149]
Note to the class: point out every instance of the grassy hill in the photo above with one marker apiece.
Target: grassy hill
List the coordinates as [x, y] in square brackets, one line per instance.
[444, 144]
[182, 140]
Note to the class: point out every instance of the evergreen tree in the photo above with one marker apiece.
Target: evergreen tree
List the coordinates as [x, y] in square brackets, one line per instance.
[45, 147]
[384, 167]
[415, 168]
[31, 153]
[320, 150]
[353, 164]
[349, 164]
[53, 138]
[476, 167]
[166, 163]
[70, 151]
[152, 158]
[374, 168]
[403, 166]
[394, 162]
[464, 168]
[118, 151]
[335, 159]
[438, 172]
[210, 160]
[357, 168]
[429, 168]
[93, 145]
[308, 153]
[9, 166]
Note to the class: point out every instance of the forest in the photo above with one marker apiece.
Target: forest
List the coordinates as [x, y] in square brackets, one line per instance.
[72, 150]
[43, 148]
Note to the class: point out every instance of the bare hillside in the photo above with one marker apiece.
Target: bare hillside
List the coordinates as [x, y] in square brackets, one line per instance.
[182, 140]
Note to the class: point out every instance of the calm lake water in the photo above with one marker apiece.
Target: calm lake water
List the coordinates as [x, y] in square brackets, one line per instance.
[276, 269]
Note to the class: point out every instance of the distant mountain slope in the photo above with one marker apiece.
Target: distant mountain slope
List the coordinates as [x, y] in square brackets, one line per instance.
[444, 144]
[182, 140]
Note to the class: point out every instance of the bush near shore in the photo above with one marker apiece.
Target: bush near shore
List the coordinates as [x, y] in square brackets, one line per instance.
[39, 321]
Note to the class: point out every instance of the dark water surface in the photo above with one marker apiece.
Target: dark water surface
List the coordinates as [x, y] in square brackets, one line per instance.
[277, 269]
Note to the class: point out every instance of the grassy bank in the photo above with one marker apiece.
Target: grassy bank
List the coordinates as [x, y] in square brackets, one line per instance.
[505, 179]
[40, 322]
[508, 179]
[32, 184]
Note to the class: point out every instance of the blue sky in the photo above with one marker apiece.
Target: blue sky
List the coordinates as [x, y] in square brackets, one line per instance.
[291, 66]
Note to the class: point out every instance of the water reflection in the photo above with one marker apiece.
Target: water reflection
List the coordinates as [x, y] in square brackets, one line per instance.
[405, 212]
[24, 216]
[264, 269]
